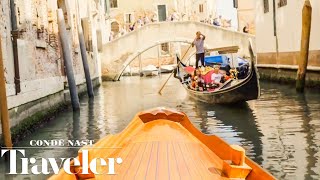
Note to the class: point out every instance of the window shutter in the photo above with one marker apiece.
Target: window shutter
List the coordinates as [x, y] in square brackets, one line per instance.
[235, 3]
[266, 6]
[282, 3]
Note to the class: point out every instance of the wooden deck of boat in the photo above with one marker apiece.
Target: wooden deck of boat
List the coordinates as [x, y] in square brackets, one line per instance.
[161, 144]
[166, 152]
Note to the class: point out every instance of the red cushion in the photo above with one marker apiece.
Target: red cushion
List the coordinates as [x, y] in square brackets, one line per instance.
[207, 77]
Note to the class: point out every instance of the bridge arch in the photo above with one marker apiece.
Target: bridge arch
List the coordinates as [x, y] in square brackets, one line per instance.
[138, 53]
[118, 54]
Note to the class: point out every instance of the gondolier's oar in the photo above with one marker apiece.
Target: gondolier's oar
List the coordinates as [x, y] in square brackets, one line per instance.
[164, 84]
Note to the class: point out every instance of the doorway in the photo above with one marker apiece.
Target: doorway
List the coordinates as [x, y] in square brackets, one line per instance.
[162, 13]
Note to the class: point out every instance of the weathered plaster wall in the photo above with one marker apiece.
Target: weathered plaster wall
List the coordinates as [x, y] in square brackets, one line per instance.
[39, 51]
[7, 55]
[247, 15]
[189, 9]
[140, 8]
[289, 25]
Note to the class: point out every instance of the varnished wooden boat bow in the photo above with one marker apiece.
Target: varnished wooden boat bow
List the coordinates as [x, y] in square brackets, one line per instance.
[162, 143]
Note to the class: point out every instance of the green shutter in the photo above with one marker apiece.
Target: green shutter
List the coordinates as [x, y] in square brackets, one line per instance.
[107, 6]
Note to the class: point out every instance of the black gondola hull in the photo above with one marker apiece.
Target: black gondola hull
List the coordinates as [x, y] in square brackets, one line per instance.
[248, 89]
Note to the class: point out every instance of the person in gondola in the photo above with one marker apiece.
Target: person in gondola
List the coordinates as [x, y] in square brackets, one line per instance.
[216, 77]
[199, 43]
[224, 77]
[198, 81]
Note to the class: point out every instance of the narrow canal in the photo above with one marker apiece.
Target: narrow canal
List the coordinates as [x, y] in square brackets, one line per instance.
[280, 131]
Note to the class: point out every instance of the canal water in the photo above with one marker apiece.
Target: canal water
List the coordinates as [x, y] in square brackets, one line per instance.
[280, 131]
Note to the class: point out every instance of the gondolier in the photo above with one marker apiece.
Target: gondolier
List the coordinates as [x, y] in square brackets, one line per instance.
[199, 43]
[231, 89]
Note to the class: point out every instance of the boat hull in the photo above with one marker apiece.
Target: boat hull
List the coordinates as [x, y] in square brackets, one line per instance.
[150, 73]
[182, 152]
[167, 68]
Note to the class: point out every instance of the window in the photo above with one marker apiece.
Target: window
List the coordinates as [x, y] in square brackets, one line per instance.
[165, 49]
[114, 3]
[235, 3]
[162, 13]
[200, 8]
[282, 3]
[128, 18]
[107, 6]
[266, 6]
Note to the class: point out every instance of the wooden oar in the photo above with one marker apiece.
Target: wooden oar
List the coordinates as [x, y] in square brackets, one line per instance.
[225, 50]
[165, 83]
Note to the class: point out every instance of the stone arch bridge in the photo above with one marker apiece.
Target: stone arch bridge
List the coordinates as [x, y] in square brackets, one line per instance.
[119, 53]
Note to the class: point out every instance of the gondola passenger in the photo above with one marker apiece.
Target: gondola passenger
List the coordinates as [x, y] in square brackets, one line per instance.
[216, 77]
[197, 82]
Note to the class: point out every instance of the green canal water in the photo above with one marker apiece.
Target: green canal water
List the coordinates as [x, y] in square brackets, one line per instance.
[280, 131]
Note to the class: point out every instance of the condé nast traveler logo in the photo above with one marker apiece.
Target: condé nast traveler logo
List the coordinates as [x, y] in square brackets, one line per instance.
[50, 165]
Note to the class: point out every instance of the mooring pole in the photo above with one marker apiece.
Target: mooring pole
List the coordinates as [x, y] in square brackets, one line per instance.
[5, 123]
[85, 63]
[68, 61]
[304, 51]
[84, 57]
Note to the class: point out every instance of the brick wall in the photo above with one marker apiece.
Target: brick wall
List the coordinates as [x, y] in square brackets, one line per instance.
[39, 49]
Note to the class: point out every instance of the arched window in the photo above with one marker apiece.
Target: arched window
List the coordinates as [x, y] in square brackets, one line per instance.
[115, 27]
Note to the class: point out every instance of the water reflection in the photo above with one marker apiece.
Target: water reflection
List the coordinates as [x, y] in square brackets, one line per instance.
[290, 126]
[235, 123]
[75, 133]
[309, 129]
[280, 131]
[92, 128]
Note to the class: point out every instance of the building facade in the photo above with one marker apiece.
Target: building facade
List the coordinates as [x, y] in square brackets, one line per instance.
[278, 32]
[124, 14]
[35, 73]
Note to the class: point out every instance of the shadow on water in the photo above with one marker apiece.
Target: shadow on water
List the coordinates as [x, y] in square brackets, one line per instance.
[75, 133]
[92, 129]
[238, 116]
[84, 122]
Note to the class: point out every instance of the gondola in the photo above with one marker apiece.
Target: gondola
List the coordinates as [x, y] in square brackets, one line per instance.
[162, 143]
[244, 90]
